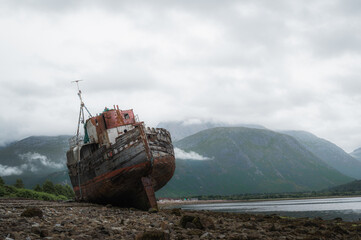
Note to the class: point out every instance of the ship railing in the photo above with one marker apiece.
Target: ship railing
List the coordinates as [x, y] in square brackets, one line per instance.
[161, 133]
[75, 140]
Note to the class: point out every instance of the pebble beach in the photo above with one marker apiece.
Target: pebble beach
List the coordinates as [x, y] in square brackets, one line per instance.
[33, 219]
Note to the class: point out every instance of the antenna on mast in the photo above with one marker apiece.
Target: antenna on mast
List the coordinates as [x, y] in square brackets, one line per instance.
[77, 83]
[81, 99]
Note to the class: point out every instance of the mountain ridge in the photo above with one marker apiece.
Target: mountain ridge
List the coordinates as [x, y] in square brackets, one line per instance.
[256, 177]
[245, 160]
[356, 154]
[182, 129]
[328, 152]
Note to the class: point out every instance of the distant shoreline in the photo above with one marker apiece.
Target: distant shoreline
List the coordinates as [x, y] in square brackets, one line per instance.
[164, 204]
[328, 208]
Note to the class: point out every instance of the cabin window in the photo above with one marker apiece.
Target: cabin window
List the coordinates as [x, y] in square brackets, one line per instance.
[126, 116]
[125, 130]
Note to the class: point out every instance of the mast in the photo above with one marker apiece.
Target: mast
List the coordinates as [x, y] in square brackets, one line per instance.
[81, 119]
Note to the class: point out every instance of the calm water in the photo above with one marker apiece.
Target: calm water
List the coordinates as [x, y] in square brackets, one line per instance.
[349, 209]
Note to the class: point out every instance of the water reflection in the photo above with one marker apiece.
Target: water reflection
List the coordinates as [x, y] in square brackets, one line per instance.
[347, 208]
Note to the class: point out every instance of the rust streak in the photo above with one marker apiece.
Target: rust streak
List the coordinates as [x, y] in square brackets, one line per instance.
[108, 175]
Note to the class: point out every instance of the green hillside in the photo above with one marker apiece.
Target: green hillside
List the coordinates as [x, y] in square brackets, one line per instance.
[354, 186]
[245, 160]
[329, 153]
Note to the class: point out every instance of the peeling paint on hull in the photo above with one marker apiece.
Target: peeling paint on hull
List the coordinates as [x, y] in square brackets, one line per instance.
[118, 174]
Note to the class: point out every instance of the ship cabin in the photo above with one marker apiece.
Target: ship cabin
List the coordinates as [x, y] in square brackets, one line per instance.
[104, 128]
[101, 131]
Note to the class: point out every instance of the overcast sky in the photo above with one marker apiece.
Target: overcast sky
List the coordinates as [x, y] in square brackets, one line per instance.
[282, 64]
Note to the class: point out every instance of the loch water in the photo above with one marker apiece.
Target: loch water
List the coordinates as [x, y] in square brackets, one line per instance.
[348, 208]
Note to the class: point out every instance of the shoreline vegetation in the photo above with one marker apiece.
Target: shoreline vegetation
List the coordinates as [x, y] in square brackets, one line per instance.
[47, 191]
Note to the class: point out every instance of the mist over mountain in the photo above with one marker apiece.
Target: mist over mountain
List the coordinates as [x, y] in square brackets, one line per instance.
[356, 154]
[52, 147]
[244, 160]
[329, 153]
[33, 158]
[182, 129]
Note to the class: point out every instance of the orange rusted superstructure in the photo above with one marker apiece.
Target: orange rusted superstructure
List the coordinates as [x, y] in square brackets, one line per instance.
[120, 161]
[111, 122]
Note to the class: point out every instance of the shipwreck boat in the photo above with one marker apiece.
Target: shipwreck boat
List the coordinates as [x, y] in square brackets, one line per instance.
[119, 161]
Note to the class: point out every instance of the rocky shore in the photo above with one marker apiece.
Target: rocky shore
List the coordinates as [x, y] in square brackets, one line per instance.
[32, 219]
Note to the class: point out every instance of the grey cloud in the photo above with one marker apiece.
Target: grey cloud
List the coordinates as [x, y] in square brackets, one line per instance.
[34, 161]
[348, 7]
[7, 170]
[41, 5]
[349, 84]
[275, 63]
[181, 154]
[337, 40]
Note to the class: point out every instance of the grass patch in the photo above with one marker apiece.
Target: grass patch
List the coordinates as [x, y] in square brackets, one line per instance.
[286, 217]
[13, 192]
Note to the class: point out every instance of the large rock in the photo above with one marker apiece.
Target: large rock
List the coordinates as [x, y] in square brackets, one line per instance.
[152, 235]
[32, 212]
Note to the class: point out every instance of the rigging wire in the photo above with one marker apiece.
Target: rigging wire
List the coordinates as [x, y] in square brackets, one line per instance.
[81, 119]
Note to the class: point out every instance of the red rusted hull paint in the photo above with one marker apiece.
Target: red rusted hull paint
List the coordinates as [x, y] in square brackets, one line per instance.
[163, 171]
[89, 187]
[103, 189]
[126, 174]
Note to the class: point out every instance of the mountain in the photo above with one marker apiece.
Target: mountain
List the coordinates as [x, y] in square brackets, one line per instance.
[182, 129]
[328, 153]
[52, 148]
[33, 159]
[240, 160]
[226, 160]
[354, 186]
[356, 154]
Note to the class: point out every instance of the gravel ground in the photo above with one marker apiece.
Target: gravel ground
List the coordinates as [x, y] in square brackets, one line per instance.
[70, 220]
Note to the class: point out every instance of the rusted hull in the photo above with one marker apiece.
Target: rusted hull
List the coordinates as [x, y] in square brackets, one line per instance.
[141, 161]
[163, 154]
[163, 171]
